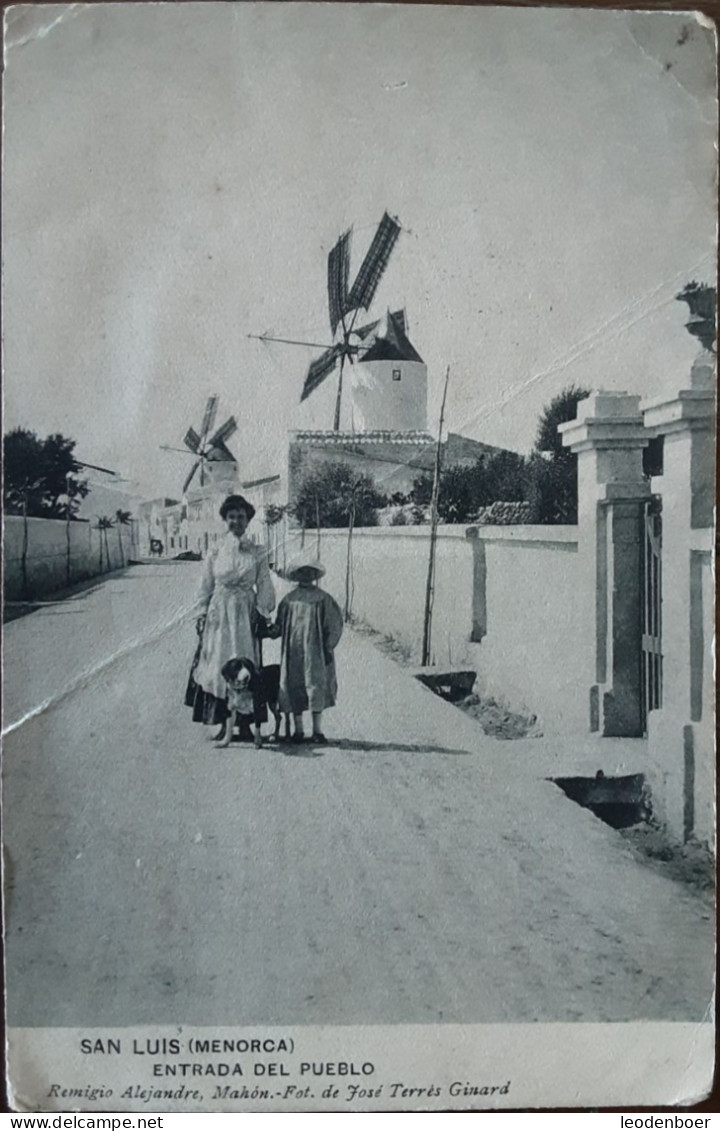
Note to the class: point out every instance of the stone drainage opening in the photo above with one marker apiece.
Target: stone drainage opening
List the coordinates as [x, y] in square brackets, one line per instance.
[449, 683]
[619, 802]
[496, 718]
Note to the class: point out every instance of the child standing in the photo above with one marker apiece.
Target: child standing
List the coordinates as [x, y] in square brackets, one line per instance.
[311, 625]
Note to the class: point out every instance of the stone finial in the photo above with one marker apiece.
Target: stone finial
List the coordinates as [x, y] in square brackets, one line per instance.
[701, 301]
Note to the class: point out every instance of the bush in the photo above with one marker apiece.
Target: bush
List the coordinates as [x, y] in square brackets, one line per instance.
[332, 493]
[553, 489]
[464, 490]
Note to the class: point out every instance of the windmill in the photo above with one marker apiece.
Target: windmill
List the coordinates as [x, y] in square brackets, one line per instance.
[203, 449]
[344, 305]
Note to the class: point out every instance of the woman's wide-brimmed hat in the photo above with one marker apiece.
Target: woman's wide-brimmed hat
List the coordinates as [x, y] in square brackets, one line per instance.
[304, 561]
[237, 503]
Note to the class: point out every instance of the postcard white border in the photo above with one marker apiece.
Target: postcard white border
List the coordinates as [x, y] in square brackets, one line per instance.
[560, 1065]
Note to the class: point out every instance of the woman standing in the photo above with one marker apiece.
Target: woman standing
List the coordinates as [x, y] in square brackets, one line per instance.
[236, 586]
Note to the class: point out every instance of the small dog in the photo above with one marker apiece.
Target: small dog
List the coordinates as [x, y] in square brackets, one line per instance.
[250, 690]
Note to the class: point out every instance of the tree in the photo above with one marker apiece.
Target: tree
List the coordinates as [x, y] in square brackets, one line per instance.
[40, 476]
[331, 493]
[506, 478]
[562, 408]
[553, 468]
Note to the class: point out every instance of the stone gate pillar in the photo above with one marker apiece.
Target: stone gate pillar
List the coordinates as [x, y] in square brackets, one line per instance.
[608, 437]
[681, 732]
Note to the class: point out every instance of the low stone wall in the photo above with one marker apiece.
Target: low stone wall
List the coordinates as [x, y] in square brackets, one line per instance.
[47, 554]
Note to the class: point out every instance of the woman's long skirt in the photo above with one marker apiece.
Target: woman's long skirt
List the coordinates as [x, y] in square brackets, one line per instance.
[228, 634]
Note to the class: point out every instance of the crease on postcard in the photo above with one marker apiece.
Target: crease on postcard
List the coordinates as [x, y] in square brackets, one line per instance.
[613, 327]
[664, 43]
[18, 16]
[102, 667]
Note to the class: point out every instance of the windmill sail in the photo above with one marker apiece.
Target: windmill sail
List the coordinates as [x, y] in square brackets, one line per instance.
[338, 276]
[192, 440]
[224, 431]
[188, 481]
[209, 416]
[319, 370]
[374, 264]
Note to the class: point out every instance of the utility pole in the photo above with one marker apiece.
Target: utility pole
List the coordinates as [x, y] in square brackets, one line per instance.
[430, 584]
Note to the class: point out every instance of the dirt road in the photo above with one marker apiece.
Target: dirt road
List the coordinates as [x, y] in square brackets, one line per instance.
[403, 873]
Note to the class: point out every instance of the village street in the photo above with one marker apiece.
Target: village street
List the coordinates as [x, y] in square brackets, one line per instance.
[413, 870]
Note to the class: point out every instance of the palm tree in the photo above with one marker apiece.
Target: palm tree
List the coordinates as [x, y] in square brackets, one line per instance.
[122, 518]
[104, 523]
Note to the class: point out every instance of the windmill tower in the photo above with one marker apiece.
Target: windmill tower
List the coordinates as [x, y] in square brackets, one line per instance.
[213, 459]
[380, 419]
[388, 388]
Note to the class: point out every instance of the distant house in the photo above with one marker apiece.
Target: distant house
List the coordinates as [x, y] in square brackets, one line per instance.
[393, 459]
[153, 523]
[194, 524]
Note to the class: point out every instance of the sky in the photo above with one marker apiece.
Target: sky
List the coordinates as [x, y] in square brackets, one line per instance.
[175, 175]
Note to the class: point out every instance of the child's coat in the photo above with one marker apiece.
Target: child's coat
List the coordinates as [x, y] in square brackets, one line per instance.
[311, 624]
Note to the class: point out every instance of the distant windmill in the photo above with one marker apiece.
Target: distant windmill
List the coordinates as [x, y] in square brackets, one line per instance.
[344, 304]
[203, 449]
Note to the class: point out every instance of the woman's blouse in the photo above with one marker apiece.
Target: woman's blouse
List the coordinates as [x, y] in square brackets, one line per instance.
[237, 564]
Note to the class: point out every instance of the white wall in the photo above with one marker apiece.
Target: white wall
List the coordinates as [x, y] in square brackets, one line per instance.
[389, 574]
[506, 603]
[47, 553]
[529, 601]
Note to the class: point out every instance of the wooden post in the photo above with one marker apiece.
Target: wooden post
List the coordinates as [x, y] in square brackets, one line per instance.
[23, 559]
[348, 560]
[68, 552]
[67, 529]
[430, 583]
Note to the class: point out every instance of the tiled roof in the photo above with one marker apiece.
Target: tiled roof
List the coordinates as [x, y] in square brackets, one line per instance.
[378, 436]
